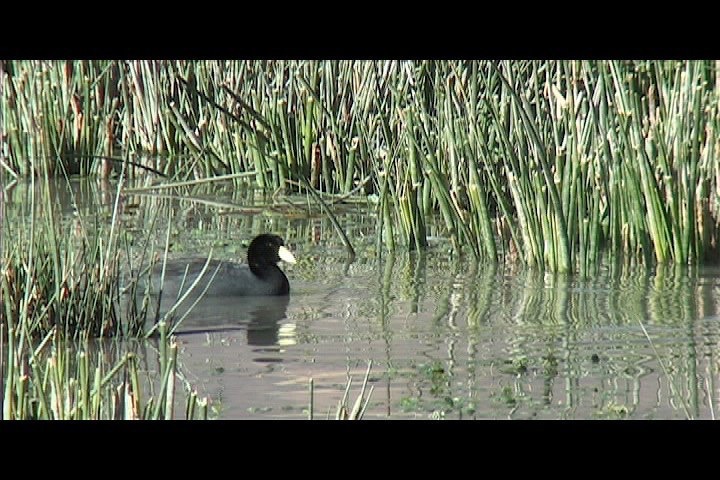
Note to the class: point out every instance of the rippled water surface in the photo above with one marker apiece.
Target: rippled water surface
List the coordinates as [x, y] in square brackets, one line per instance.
[453, 340]
[448, 338]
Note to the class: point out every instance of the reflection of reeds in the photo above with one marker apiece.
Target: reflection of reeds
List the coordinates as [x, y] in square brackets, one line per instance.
[544, 343]
[548, 162]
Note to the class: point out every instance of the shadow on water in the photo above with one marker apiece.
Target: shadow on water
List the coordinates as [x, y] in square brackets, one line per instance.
[260, 317]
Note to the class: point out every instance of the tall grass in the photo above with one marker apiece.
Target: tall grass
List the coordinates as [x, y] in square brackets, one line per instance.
[57, 380]
[61, 286]
[58, 274]
[550, 163]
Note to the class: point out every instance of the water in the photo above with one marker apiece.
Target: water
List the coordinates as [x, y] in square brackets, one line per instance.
[451, 340]
[448, 338]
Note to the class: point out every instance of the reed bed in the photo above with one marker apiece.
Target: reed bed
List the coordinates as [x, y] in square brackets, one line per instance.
[61, 287]
[552, 164]
[56, 380]
[68, 278]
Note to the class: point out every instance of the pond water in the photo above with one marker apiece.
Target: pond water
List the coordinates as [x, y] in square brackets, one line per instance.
[450, 340]
[448, 337]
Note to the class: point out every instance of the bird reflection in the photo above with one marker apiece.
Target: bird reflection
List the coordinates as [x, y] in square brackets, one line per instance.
[259, 316]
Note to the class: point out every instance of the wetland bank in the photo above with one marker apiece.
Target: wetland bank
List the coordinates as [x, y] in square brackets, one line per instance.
[530, 239]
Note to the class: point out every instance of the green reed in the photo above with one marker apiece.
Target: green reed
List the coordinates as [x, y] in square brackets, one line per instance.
[549, 163]
[60, 284]
[57, 110]
[56, 380]
[55, 274]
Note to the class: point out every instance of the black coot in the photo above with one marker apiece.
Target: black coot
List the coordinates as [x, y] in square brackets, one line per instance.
[261, 275]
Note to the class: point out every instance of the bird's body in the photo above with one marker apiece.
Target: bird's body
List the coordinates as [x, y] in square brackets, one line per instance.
[225, 278]
[260, 276]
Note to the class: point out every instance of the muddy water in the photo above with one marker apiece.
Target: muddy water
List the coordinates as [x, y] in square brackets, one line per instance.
[448, 338]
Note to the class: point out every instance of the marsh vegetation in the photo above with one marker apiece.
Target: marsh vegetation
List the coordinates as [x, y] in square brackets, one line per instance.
[553, 166]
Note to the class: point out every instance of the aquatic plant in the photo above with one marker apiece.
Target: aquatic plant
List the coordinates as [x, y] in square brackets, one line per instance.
[549, 163]
[57, 380]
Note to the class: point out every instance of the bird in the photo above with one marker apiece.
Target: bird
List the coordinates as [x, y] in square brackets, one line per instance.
[260, 276]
